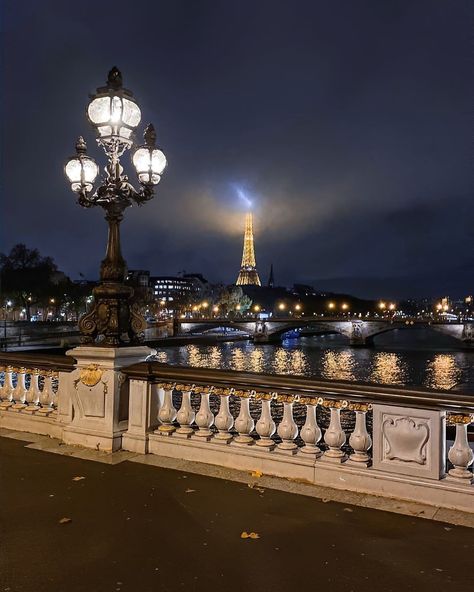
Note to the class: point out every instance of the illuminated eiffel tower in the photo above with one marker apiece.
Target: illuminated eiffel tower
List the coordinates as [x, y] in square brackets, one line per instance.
[248, 274]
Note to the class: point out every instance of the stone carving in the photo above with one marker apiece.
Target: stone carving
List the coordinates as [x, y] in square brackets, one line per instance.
[405, 439]
[468, 332]
[90, 376]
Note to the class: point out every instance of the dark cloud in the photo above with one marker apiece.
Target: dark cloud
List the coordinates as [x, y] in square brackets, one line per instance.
[349, 122]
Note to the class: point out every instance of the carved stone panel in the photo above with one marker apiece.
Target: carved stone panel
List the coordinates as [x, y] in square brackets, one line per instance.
[409, 441]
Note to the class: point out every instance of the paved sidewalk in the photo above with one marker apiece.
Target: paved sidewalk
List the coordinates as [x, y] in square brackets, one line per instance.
[144, 528]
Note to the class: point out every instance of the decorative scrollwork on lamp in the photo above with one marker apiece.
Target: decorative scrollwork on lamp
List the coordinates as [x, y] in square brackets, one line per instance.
[113, 319]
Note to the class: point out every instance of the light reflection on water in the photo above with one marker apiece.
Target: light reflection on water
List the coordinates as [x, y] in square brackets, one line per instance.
[325, 359]
[388, 368]
[443, 372]
[338, 365]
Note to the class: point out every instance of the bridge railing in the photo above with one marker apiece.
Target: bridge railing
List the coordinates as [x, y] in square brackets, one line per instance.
[388, 441]
[29, 390]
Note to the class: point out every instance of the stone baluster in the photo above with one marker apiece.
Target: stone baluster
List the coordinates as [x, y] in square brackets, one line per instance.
[29, 391]
[34, 393]
[311, 432]
[54, 385]
[166, 412]
[360, 440]
[224, 420]
[8, 388]
[19, 392]
[265, 426]
[244, 423]
[2, 386]
[287, 430]
[186, 415]
[334, 436]
[460, 454]
[46, 396]
[205, 417]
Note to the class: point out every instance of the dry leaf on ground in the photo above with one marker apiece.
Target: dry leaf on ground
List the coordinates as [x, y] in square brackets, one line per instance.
[256, 473]
[249, 535]
[78, 478]
[190, 491]
[65, 520]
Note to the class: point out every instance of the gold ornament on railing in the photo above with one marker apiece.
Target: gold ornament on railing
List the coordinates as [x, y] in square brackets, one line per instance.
[357, 406]
[459, 418]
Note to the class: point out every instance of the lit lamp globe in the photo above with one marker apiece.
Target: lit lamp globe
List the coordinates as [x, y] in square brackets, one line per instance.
[81, 170]
[113, 111]
[149, 161]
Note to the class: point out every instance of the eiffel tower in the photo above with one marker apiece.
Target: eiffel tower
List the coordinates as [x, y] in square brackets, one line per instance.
[248, 275]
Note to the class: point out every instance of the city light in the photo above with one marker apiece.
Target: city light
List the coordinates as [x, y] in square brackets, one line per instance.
[297, 306]
[382, 305]
[331, 305]
[215, 308]
[205, 304]
[345, 306]
[257, 308]
[282, 306]
[391, 306]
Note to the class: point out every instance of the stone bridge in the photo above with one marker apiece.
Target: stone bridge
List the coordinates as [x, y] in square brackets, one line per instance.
[360, 332]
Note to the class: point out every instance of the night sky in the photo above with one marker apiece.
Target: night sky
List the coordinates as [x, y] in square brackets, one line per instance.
[348, 123]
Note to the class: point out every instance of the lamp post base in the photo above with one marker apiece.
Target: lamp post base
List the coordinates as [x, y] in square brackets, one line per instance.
[113, 321]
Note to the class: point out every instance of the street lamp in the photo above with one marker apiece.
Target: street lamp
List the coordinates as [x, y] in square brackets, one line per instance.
[113, 320]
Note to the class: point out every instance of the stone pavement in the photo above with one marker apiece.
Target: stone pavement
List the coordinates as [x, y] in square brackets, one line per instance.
[132, 527]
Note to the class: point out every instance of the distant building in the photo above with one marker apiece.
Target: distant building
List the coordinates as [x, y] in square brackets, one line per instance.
[138, 277]
[271, 279]
[178, 290]
[303, 290]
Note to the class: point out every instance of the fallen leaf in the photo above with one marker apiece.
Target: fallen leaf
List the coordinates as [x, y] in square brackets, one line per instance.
[325, 500]
[447, 528]
[78, 478]
[190, 491]
[65, 520]
[256, 473]
[249, 535]
[348, 510]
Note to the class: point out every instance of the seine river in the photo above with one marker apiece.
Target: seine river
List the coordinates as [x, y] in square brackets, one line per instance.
[414, 358]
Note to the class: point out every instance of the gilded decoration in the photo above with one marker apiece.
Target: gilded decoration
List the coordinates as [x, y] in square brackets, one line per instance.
[89, 376]
[266, 396]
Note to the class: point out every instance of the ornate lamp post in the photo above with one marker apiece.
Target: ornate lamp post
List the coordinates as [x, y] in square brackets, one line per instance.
[113, 319]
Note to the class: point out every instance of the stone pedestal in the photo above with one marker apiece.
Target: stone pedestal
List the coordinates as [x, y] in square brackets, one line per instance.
[94, 406]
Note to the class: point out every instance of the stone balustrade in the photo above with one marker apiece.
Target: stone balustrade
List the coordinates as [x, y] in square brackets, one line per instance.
[373, 439]
[29, 392]
[388, 441]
